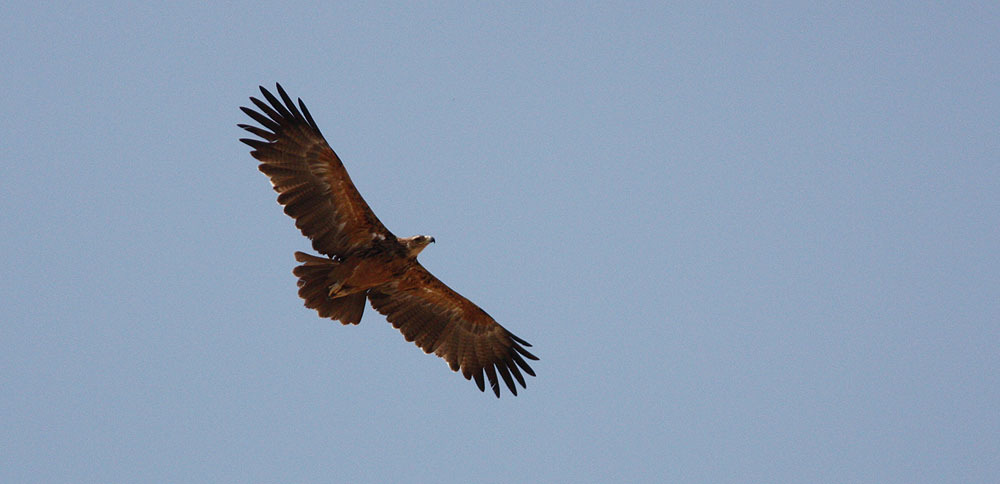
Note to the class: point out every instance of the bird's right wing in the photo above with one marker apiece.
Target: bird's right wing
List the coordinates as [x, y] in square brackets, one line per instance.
[310, 179]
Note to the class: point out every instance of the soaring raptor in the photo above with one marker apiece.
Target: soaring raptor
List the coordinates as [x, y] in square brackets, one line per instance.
[364, 261]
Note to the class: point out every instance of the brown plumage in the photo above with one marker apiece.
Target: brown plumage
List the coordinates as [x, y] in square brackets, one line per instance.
[367, 262]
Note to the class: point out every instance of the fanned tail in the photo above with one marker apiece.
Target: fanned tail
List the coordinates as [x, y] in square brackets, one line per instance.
[316, 276]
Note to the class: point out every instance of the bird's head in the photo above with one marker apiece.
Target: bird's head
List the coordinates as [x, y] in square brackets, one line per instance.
[416, 243]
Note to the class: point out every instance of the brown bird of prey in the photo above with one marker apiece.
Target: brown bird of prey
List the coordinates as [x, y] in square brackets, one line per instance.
[366, 261]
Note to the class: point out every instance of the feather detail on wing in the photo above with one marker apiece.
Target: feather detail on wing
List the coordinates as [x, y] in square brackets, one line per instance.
[443, 322]
[310, 179]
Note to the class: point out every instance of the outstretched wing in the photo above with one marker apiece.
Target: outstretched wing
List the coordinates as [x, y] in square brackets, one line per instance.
[441, 321]
[310, 179]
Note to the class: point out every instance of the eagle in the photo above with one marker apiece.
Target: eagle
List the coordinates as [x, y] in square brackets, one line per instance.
[364, 260]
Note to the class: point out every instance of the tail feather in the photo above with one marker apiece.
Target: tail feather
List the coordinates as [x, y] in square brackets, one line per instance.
[316, 276]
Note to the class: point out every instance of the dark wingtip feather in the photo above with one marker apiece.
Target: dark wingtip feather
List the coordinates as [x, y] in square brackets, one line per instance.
[255, 143]
[309, 118]
[281, 90]
[505, 374]
[288, 102]
[278, 107]
[519, 340]
[479, 380]
[259, 132]
[263, 120]
[523, 364]
[268, 111]
[517, 374]
[525, 352]
[491, 374]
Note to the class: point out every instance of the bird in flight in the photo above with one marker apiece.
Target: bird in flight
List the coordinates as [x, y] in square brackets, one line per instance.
[364, 261]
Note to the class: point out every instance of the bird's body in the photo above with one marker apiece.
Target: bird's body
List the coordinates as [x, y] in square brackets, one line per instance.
[367, 262]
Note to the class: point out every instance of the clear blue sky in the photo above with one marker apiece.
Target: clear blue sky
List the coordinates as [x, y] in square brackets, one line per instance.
[749, 244]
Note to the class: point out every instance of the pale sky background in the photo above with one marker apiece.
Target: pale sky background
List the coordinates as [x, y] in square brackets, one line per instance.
[753, 244]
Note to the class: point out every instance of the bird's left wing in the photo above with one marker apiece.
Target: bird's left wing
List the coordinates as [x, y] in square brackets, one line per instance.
[442, 321]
